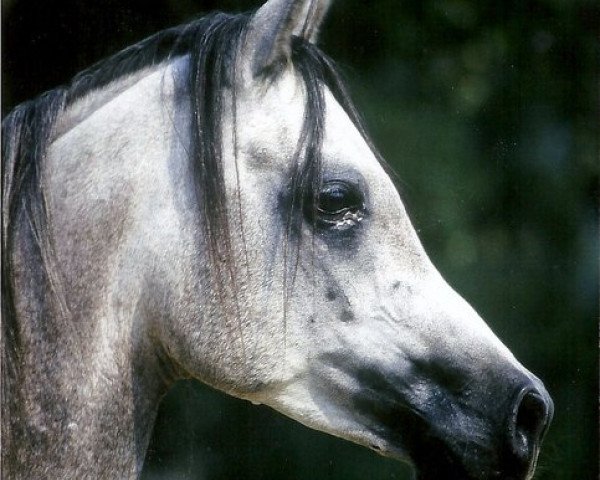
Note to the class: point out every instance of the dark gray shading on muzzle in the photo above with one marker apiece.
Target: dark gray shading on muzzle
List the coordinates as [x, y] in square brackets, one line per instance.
[452, 425]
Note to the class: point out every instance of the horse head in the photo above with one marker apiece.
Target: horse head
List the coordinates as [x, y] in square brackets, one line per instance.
[338, 319]
[223, 215]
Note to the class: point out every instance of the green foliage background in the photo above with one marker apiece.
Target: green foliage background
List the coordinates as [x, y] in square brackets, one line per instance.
[488, 112]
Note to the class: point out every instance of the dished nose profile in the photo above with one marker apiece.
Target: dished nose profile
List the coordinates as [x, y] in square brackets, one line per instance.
[530, 417]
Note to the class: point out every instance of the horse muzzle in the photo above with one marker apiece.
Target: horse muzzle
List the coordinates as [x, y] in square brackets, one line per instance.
[509, 452]
[505, 446]
[477, 429]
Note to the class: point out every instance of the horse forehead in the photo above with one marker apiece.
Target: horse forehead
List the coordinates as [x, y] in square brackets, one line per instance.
[269, 123]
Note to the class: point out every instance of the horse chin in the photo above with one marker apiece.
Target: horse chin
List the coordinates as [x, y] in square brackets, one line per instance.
[436, 460]
[443, 465]
[446, 473]
[437, 465]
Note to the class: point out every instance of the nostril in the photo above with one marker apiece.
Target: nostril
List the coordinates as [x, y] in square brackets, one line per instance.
[531, 416]
[530, 420]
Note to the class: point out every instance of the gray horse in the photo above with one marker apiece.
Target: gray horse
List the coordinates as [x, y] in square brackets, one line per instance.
[206, 204]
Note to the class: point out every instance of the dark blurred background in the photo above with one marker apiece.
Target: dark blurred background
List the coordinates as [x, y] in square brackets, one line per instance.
[488, 111]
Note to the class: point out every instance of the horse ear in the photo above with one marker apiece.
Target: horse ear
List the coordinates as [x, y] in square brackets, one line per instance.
[273, 26]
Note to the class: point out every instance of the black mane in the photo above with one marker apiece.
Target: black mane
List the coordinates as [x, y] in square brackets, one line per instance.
[212, 45]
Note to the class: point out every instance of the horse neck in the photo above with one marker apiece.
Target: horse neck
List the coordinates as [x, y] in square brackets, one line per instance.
[79, 393]
[88, 375]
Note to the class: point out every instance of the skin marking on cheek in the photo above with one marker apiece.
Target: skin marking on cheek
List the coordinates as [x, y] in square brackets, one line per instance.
[346, 316]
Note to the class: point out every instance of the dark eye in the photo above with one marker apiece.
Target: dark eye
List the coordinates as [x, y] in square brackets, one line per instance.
[337, 197]
[338, 205]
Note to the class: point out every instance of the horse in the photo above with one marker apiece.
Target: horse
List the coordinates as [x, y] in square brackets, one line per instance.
[207, 204]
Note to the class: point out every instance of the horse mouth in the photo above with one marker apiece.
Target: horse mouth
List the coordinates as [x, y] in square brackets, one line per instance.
[434, 458]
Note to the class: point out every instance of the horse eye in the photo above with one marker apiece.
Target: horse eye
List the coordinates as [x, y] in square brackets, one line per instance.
[336, 198]
[338, 205]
